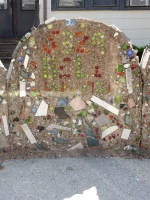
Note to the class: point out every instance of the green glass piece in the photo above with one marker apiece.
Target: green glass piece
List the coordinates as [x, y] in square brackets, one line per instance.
[23, 74]
[45, 75]
[79, 63]
[102, 36]
[102, 52]
[102, 40]
[106, 112]
[31, 42]
[28, 52]
[120, 68]
[78, 75]
[78, 68]
[34, 94]
[63, 33]
[93, 42]
[95, 34]
[124, 47]
[29, 120]
[54, 75]
[78, 59]
[93, 38]
[63, 43]
[95, 106]
[98, 33]
[58, 140]
[54, 71]
[70, 36]
[128, 120]
[73, 125]
[82, 75]
[78, 71]
[70, 45]
[63, 52]
[1, 99]
[83, 113]
[68, 108]
[118, 98]
[51, 108]
[122, 80]
[68, 33]
[53, 58]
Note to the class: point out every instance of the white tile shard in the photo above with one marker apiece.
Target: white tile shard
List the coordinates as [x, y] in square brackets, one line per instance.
[125, 134]
[50, 20]
[28, 133]
[22, 89]
[105, 105]
[54, 126]
[145, 58]
[42, 110]
[129, 80]
[76, 147]
[109, 131]
[5, 124]
[26, 60]
[9, 71]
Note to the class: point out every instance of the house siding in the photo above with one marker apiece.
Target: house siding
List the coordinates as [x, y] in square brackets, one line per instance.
[135, 24]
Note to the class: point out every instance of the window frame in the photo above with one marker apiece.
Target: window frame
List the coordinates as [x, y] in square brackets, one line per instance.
[121, 5]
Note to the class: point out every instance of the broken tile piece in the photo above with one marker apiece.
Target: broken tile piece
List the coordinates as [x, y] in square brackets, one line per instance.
[109, 130]
[58, 140]
[54, 126]
[105, 105]
[125, 134]
[79, 123]
[28, 133]
[91, 139]
[42, 110]
[40, 147]
[77, 104]
[5, 123]
[101, 120]
[60, 112]
[131, 102]
[78, 146]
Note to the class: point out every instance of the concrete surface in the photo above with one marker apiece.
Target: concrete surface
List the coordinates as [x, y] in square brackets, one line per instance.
[75, 179]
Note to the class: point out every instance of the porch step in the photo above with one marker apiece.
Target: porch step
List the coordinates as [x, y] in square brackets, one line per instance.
[7, 46]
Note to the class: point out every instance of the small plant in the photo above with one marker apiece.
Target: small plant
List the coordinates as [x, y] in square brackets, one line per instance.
[140, 50]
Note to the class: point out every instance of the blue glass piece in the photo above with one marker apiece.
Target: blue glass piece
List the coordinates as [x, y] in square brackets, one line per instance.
[62, 102]
[34, 109]
[57, 120]
[91, 139]
[111, 100]
[70, 22]
[54, 132]
[130, 53]
[20, 59]
[146, 97]
[40, 147]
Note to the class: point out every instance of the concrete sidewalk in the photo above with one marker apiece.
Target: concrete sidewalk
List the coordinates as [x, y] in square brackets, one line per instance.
[75, 179]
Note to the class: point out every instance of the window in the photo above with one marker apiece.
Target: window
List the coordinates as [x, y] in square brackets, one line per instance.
[100, 4]
[3, 4]
[28, 5]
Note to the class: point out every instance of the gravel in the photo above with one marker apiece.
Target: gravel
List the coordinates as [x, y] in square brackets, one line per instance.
[75, 179]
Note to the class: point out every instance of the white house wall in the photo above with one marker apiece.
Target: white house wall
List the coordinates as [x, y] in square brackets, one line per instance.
[135, 24]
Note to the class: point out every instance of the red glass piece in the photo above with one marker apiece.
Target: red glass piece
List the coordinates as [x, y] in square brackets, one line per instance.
[133, 66]
[68, 75]
[96, 75]
[61, 67]
[60, 76]
[96, 71]
[99, 75]
[53, 32]
[86, 37]
[96, 67]
[57, 32]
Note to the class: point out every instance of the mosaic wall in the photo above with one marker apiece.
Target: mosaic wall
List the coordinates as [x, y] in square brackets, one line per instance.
[74, 83]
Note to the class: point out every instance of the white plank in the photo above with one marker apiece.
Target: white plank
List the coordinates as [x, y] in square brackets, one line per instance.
[26, 60]
[105, 105]
[109, 131]
[28, 133]
[22, 89]
[5, 123]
